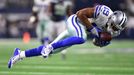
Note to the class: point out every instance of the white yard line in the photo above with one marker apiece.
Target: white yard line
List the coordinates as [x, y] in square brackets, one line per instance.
[75, 68]
[102, 50]
[53, 73]
[72, 63]
[41, 73]
[26, 73]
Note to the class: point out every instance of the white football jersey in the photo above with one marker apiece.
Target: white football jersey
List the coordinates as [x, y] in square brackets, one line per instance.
[101, 15]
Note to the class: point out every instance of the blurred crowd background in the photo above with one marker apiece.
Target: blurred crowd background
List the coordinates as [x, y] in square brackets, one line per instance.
[15, 14]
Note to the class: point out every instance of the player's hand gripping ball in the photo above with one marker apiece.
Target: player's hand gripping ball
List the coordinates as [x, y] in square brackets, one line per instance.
[103, 39]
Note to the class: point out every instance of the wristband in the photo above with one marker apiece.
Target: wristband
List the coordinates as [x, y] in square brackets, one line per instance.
[94, 31]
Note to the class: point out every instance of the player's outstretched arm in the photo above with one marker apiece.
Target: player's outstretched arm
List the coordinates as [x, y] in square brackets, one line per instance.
[83, 16]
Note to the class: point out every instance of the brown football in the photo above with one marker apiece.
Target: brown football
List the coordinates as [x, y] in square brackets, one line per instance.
[105, 36]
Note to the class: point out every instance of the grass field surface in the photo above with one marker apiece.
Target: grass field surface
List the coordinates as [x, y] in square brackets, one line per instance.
[86, 59]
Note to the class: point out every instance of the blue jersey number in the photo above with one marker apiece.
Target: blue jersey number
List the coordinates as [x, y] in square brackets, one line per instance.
[106, 11]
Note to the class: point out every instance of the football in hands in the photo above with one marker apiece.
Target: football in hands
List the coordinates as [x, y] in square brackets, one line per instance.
[105, 36]
[103, 39]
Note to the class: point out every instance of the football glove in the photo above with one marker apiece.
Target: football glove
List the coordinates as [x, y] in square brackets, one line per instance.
[100, 43]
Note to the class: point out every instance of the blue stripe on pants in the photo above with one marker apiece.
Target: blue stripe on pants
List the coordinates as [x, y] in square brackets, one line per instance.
[77, 26]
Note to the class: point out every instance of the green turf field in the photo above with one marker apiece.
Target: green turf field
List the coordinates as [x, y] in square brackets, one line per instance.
[86, 59]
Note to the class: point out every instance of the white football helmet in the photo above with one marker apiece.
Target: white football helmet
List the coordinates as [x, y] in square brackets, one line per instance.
[116, 23]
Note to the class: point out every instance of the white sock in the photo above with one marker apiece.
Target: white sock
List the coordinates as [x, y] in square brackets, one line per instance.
[50, 47]
[22, 54]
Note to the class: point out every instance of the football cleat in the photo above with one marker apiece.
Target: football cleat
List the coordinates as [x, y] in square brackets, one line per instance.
[46, 51]
[14, 58]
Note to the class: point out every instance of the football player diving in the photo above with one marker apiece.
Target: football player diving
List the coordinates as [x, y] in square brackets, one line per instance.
[93, 20]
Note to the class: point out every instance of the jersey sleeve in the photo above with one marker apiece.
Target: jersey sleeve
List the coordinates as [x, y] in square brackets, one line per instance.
[97, 10]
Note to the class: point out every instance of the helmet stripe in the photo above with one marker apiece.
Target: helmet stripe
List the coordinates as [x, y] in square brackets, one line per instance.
[122, 21]
[123, 25]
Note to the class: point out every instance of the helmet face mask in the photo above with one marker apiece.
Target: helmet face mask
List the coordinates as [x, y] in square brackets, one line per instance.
[116, 22]
[111, 24]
